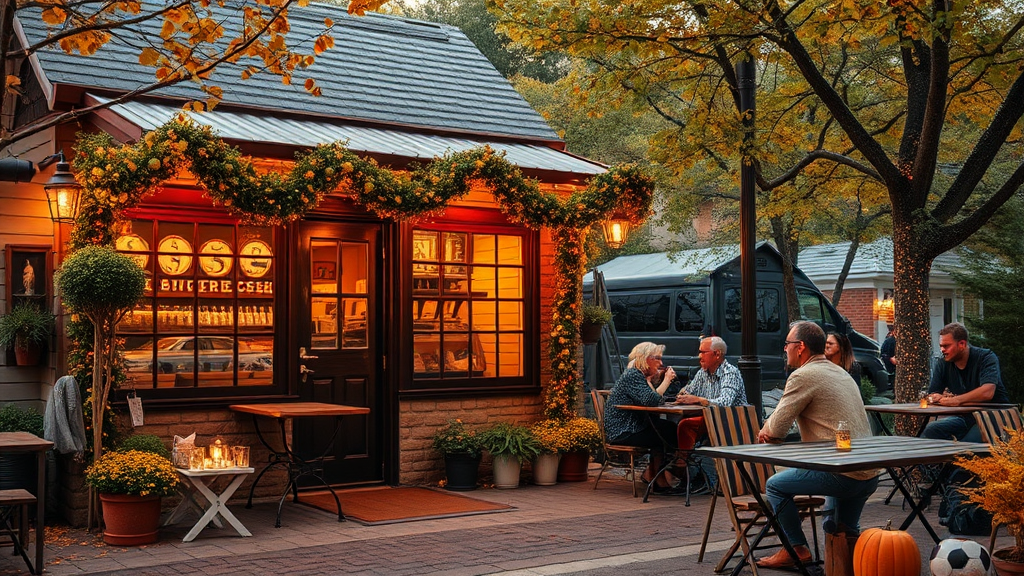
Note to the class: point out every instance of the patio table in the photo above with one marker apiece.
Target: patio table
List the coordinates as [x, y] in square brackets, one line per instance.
[26, 442]
[932, 411]
[200, 481]
[681, 410]
[869, 453]
[297, 466]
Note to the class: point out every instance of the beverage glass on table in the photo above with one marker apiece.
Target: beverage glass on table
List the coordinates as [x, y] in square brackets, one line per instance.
[843, 437]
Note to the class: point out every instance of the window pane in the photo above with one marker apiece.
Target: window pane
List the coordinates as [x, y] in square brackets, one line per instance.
[510, 250]
[690, 311]
[640, 312]
[484, 317]
[353, 334]
[456, 315]
[216, 247]
[510, 316]
[323, 256]
[810, 306]
[454, 247]
[138, 361]
[425, 314]
[489, 347]
[510, 355]
[510, 283]
[483, 282]
[426, 355]
[483, 249]
[768, 312]
[424, 245]
[324, 323]
[425, 278]
[353, 267]
[455, 280]
[256, 361]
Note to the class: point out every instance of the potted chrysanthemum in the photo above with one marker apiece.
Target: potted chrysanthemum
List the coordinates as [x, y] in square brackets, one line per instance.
[553, 442]
[130, 484]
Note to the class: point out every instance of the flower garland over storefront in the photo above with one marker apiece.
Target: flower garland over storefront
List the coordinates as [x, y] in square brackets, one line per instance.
[117, 177]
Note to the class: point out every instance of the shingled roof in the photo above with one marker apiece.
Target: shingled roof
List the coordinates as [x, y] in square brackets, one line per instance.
[382, 69]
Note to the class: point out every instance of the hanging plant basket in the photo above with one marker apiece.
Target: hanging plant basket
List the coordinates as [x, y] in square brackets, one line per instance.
[590, 333]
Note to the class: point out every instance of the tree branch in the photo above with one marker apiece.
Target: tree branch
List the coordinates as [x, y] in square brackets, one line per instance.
[811, 157]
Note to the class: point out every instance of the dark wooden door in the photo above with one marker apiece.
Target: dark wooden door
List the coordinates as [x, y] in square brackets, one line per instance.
[336, 314]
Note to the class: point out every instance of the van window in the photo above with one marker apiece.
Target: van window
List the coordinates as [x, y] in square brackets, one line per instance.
[690, 311]
[640, 312]
[768, 314]
[812, 308]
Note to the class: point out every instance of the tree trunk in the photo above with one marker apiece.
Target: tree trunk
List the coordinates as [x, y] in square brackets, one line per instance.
[782, 233]
[913, 345]
[851, 253]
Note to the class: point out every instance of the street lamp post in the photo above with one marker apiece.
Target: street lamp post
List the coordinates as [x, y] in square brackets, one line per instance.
[749, 364]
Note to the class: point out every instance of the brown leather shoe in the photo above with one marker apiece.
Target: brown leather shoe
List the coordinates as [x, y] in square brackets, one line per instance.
[782, 559]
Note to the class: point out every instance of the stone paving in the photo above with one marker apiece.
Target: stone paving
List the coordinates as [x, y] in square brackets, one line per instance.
[564, 529]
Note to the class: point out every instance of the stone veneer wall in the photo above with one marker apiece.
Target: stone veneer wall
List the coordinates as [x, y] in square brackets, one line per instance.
[857, 305]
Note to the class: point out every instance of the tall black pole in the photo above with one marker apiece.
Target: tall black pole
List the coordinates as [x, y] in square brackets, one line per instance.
[750, 364]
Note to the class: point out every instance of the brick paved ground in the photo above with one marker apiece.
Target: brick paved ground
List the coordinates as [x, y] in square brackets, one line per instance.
[563, 529]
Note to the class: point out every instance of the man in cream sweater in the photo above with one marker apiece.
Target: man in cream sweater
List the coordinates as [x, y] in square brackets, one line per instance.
[818, 395]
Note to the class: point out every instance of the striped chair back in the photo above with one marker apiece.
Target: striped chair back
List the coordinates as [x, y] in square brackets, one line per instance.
[993, 423]
[734, 426]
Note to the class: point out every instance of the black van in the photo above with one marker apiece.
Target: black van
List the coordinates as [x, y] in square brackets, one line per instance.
[676, 300]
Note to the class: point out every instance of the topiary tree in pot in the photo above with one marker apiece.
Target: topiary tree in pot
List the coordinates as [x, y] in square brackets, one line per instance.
[102, 285]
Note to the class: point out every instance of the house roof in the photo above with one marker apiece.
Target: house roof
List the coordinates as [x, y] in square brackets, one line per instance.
[383, 69]
[239, 126]
[874, 260]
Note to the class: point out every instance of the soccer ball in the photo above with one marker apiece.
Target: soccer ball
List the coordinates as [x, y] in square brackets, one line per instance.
[959, 557]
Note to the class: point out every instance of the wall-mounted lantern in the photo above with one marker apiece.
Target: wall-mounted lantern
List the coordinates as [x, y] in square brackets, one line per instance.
[616, 229]
[63, 193]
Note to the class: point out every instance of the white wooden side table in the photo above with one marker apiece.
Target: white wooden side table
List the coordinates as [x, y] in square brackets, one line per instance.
[217, 504]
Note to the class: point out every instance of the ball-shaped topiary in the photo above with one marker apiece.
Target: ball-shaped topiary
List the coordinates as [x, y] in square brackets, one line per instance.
[97, 281]
[145, 443]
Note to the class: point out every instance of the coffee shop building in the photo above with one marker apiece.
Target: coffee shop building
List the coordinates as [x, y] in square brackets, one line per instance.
[420, 321]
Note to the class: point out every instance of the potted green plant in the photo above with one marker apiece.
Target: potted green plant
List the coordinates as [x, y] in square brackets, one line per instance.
[553, 442]
[582, 436]
[130, 484]
[1002, 494]
[27, 329]
[460, 448]
[509, 444]
[145, 443]
[592, 319]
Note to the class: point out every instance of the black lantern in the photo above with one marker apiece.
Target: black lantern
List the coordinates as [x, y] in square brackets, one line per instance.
[63, 193]
[616, 229]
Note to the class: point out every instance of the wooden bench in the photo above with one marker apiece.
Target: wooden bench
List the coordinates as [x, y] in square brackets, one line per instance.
[17, 500]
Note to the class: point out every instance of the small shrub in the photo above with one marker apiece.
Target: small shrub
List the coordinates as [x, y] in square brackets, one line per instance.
[144, 443]
[16, 419]
[455, 438]
[867, 390]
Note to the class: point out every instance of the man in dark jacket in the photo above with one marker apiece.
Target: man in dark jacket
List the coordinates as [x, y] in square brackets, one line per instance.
[888, 353]
[966, 374]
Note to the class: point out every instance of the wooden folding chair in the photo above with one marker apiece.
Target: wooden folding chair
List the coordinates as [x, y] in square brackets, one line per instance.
[611, 451]
[733, 426]
[993, 425]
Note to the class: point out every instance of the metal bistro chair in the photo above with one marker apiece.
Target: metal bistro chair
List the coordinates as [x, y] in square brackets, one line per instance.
[994, 425]
[611, 451]
[734, 426]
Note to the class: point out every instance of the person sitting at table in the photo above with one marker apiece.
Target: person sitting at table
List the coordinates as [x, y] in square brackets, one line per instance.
[717, 382]
[839, 351]
[817, 397]
[966, 374]
[636, 388]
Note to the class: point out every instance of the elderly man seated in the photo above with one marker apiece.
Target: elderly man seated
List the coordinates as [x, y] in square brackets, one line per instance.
[718, 382]
[817, 396]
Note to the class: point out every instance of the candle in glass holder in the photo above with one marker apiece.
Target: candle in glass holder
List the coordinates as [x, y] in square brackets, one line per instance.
[197, 458]
[843, 437]
[241, 455]
[924, 401]
[218, 453]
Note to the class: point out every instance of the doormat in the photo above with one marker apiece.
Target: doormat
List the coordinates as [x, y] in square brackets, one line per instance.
[374, 506]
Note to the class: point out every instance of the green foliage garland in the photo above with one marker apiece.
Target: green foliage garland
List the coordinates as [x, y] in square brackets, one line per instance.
[118, 177]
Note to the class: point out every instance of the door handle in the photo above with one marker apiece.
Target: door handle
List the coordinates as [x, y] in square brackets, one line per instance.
[304, 356]
[304, 371]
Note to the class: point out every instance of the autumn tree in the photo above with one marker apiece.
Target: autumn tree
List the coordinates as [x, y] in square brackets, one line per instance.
[182, 40]
[889, 92]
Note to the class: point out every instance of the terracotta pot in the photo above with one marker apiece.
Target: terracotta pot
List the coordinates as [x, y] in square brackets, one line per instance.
[130, 520]
[573, 466]
[461, 471]
[590, 333]
[27, 353]
[1006, 567]
[545, 469]
[506, 471]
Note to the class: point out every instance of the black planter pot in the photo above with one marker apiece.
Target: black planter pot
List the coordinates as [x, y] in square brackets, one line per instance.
[590, 333]
[461, 470]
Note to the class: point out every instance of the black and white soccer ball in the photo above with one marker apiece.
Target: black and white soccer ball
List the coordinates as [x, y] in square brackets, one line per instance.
[959, 557]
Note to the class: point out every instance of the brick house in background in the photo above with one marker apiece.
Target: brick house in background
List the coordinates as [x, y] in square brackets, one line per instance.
[868, 290]
[445, 317]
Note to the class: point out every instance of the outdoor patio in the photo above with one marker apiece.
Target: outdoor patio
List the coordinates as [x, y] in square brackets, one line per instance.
[564, 529]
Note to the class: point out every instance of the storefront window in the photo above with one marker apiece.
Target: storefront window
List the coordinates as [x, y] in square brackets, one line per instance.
[208, 315]
[469, 305]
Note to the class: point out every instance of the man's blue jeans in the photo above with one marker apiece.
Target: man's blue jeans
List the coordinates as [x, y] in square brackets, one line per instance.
[845, 498]
[953, 427]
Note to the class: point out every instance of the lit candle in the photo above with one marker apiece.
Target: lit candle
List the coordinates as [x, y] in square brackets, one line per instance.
[924, 402]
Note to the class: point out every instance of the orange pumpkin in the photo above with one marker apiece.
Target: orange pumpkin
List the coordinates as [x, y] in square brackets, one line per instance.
[886, 552]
